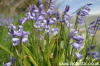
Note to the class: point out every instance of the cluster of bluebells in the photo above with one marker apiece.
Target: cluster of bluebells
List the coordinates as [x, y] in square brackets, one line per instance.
[93, 54]
[94, 26]
[77, 42]
[43, 20]
[17, 35]
[11, 61]
[5, 21]
[82, 13]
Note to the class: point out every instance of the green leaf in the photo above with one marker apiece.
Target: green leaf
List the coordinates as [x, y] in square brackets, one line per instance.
[29, 54]
[5, 49]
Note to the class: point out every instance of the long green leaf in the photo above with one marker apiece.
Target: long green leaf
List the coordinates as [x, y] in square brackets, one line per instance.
[30, 55]
[5, 49]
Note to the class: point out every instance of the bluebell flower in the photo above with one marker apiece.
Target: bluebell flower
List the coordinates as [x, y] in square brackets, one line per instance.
[72, 33]
[79, 41]
[11, 61]
[17, 35]
[92, 22]
[5, 21]
[54, 30]
[57, 15]
[7, 64]
[78, 56]
[94, 26]
[51, 6]
[11, 29]
[78, 38]
[41, 9]
[66, 9]
[41, 18]
[25, 40]
[93, 54]
[42, 21]
[91, 32]
[51, 12]
[76, 46]
[90, 47]
[15, 41]
[65, 19]
[40, 2]
[82, 13]
[98, 28]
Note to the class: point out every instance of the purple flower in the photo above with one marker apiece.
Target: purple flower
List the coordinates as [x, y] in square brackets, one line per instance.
[25, 40]
[7, 64]
[72, 33]
[79, 42]
[21, 33]
[40, 2]
[51, 12]
[81, 20]
[98, 28]
[11, 61]
[88, 4]
[40, 18]
[66, 19]
[82, 13]
[78, 56]
[90, 47]
[5, 21]
[51, 6]
[78, 38]
[24, 20]
[92, 22]
[54, 31]
[94, 26]
[76, 46]
[57, 16]
[11, 29]
[93, 54]
[17, 35]
[32, 8]
[49, 30]
[66, 9]
[15, 41]
[91, 32]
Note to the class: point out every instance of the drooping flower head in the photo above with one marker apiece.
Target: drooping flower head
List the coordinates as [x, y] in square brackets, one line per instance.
[11, 61]
[78, 56]
[90, 47]
[94, 26]
[82, 13]
[93, 54]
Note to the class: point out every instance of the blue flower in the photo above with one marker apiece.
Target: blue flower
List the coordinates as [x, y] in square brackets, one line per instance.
[72, 33]
[90, 47]
[11, 61]
[15, 41]
[66, 9]
[94, 54]
[78, 38]
[76, 46]
[78, 56]
[82, 13]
